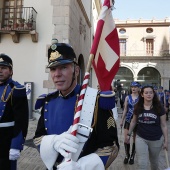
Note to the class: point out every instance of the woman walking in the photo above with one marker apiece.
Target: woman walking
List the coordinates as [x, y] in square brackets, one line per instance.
[152, 133]
[130, 101]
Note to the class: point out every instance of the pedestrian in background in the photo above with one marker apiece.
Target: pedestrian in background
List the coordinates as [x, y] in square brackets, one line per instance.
[152, 133]
[122, 98]
[129, 103]
[166, 101]
[161, 95]
[156, 90]
[13, 116]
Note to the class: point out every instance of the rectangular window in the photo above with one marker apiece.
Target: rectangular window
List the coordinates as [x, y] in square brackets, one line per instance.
[122, 43]
[149, 47]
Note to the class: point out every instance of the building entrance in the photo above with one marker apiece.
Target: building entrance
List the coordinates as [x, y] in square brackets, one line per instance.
[149, 75]
[125, 76]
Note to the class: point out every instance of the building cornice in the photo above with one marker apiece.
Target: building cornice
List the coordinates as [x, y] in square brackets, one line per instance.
[84, 12]
[144, 58]
[143, 23]
[98, 6]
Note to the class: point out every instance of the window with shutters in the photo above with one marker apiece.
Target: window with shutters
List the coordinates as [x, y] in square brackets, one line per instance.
[122, 43]
[149, 47]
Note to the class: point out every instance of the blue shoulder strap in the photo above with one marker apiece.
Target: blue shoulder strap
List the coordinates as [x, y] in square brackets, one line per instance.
[40, 101]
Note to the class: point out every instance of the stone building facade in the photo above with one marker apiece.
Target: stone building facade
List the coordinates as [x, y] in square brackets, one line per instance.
[144, 52]
[74, 23]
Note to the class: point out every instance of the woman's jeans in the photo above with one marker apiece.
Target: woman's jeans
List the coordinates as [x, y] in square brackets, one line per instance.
[148, 150]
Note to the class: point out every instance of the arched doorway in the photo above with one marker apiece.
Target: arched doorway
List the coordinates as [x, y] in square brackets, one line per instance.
[82, 69]
[125, 76]
[149, 75]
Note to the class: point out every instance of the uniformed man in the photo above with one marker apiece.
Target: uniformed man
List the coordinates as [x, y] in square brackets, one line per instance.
[52, 136]
[13, 116]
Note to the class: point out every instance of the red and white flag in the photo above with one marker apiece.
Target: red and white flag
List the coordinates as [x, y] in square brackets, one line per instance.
[106, 48]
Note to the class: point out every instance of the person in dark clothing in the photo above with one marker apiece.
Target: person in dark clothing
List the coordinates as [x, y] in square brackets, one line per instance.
[13, 116]
[122, 98]
[130, 102]
[166, 101]
[53, 134]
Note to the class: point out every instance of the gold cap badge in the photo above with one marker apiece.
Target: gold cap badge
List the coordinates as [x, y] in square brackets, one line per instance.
[1, 60]
[54, 56]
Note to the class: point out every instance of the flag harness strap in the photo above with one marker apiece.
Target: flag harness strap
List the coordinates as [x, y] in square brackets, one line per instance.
[84, 126]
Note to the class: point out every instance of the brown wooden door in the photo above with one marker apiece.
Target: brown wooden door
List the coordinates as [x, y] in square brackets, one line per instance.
[12, 11]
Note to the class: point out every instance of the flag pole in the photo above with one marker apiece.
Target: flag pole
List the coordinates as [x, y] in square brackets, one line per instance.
[82, 95]
[91, 57]
[80, 101]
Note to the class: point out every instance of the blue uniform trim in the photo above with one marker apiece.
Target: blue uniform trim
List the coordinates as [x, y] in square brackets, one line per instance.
[2, 108]
[104, 159]
[107, 103]
[131, 104]
[40, 101]
[18, 142]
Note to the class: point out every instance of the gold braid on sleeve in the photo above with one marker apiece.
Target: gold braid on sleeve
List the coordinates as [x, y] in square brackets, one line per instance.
[4, 93]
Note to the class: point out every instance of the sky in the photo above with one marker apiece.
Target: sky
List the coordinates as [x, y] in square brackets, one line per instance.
[144, 9]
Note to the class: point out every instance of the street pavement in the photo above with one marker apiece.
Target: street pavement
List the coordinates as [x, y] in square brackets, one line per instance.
[30, 159]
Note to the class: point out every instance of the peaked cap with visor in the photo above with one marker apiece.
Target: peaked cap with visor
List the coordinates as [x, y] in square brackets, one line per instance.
[135, 84]
[5, 60]
[59, 54]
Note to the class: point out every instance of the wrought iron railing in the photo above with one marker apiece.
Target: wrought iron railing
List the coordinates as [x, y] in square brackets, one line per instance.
[19, 19]
[138, 53]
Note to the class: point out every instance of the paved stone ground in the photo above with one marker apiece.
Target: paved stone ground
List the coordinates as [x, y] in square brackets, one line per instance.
[30, 159]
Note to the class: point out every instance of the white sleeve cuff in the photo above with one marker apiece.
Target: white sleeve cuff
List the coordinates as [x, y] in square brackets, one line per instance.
[91, 161]
[47, 152]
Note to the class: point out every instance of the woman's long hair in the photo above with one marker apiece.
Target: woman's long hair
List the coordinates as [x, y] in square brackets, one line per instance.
[156, 104]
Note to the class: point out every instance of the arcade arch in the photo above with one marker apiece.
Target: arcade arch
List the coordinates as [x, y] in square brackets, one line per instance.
[149, 75]
[125, 76]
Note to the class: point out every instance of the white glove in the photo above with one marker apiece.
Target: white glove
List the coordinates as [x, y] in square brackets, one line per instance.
[14, 154]
[65, 143]
[91, 161]
[71, 165]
